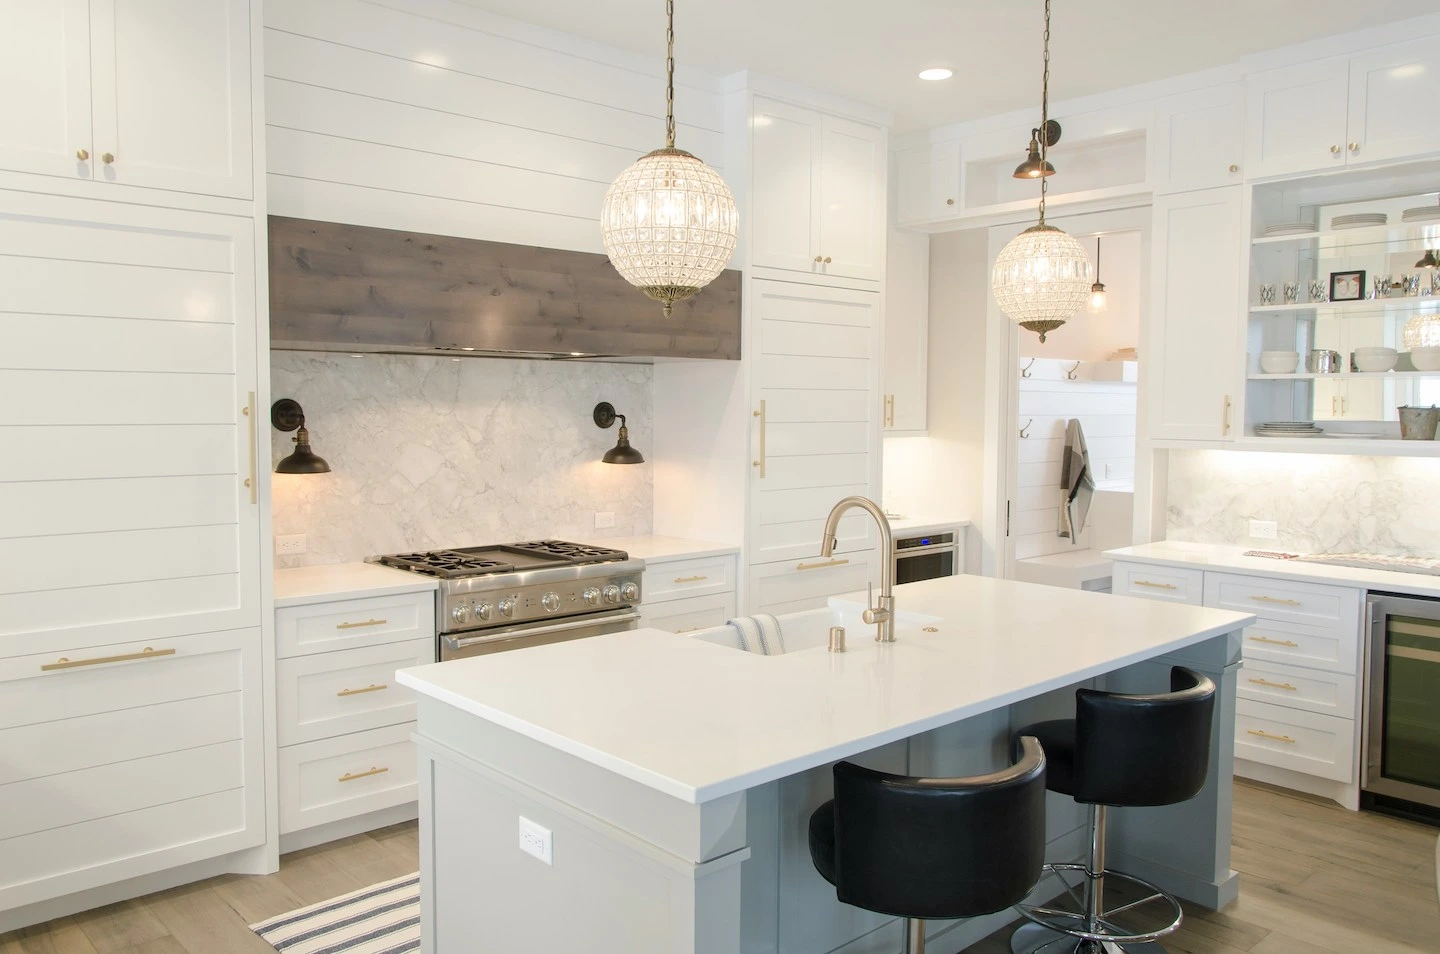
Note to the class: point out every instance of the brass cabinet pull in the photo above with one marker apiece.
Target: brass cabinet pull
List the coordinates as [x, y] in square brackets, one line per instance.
[1275, 685]
[1234, 168]
[348, 777]
[82, 154]
[761, 462]
[107, 157]
[370, 688]
[1354, 147]
[1334, 150]
[1276, 600]
[690, 579]
[1155, 586]
[949, 201]
[249, 411]
[1225, 418]
[1266, 735]
[827, 259]
[1273, 642]
[146, 653]
[821, 565]
[363, 622]
[818, 259]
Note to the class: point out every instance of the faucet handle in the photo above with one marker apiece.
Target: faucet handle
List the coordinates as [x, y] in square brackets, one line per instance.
[869, 593]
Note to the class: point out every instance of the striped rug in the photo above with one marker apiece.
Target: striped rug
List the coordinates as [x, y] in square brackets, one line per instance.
[381, 919]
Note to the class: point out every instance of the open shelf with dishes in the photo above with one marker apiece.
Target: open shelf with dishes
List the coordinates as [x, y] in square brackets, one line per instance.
[1342, 309]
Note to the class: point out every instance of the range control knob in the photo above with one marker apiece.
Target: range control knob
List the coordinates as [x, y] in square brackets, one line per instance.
[507, 606]
[591, 596]
[461, 613]
[551, 602]
[629, 592]
[484, 611]
[612, 593]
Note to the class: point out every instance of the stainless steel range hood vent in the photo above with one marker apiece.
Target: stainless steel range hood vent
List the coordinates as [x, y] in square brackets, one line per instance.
[361, 290]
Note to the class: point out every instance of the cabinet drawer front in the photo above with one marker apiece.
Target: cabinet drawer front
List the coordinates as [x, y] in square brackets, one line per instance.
[323, 627]
[126, 675]
[797, 585]
[329, 694]
[684, 616]
[350, 775]
[1285, 601]
[1329, 693]
[1159, 583]
[672, 581]
[1315, 647]
[1294, 739]
[56, 801]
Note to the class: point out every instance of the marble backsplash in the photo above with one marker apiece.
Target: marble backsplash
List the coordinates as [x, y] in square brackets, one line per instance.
[428, 452]
[1321, 502]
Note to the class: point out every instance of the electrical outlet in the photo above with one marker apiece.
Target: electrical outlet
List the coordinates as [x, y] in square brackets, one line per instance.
[1263, 529]
[289, 544]
[536, 840]
[604, 520]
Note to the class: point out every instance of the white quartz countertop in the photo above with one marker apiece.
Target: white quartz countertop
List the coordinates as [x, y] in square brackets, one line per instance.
[660, 549]
[699, 721]
[1207, 556]
[343, 581]
[900, 525]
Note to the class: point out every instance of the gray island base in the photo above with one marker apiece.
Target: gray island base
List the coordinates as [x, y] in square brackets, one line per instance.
[672, 779]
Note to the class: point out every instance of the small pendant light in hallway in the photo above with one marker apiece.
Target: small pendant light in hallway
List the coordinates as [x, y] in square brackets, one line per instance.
[1097, 290]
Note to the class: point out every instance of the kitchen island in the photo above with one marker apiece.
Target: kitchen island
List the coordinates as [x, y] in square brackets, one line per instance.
[667, 780]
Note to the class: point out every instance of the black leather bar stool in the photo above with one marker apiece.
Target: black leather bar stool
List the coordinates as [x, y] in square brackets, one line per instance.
[922, 848]
[1119, 750]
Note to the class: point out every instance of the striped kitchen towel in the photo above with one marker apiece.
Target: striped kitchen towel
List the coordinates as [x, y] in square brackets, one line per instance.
[381, 919]
[759, 634]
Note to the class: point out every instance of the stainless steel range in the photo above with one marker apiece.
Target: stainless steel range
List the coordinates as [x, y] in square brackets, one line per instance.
[505, 597]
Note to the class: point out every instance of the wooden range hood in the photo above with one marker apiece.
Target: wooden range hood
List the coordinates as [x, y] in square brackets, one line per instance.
[352, 288]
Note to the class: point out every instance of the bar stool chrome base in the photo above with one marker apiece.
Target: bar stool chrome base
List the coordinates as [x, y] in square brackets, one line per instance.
[1035, 939]
[1091, 931]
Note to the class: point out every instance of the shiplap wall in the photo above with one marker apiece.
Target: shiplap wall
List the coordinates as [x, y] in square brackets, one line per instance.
[1048, 400]
[433, 116]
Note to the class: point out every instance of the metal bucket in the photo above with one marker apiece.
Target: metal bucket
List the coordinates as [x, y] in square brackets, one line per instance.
[1419, 423]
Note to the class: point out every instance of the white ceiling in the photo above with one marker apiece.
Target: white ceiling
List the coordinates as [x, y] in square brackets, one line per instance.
[871, 50]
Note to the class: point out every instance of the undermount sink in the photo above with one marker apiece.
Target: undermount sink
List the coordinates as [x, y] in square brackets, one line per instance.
[810, 629]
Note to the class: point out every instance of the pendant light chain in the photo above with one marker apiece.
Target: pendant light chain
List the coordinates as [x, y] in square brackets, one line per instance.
[670, 73]
[1044, 111]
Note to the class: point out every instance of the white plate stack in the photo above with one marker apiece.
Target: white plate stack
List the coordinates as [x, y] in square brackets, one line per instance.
[1424, 213]
[1288, 429]
[1290, 228]
[1358, 220]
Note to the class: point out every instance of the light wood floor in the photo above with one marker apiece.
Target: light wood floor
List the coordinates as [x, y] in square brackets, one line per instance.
[1315, 879]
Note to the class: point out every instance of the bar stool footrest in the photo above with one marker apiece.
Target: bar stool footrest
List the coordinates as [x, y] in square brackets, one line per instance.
[1074, 924]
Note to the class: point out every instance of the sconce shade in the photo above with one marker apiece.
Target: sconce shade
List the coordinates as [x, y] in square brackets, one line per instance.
[286, 415]
[622, 453]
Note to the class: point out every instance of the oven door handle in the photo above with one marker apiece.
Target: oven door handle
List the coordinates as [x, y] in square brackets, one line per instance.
[584, 623]
[925, 551]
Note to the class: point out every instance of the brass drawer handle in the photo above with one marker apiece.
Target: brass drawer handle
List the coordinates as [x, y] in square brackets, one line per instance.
[1156, 586]
[759, 464]
[370, 688]
[1275, 685]
[1272, 642]
[690, 579]
[251, 482]
[1266, 735]
[1275, 600]
[366, 622]
[146, 653]
[821, 565]
[347, 777]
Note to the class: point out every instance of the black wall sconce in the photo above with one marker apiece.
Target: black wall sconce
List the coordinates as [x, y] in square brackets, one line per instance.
[622, 452]
[286, 415]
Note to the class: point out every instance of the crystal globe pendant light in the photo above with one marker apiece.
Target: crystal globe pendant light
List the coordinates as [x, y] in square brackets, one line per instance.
[1042, 276]
[669, 222]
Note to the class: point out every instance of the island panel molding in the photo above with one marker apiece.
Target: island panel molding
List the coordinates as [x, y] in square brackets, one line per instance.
[352, 288]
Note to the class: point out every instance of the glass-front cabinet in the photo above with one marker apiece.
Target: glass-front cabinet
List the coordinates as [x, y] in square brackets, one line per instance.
[1343, 323]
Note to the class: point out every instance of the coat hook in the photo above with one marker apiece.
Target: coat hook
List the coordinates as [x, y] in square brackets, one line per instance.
[1025, 431]
[1025, 371]
[1070, 375]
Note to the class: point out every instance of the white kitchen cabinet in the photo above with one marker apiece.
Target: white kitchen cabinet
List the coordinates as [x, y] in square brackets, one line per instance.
[1296, 119]
[348, 776]
[1198, 140]
[798, 585]
[815, 436]
[1350, 399]
[1394, 99]
[689, 614]
[817, 192]
[907, 331]
[927, 183]
[151, 93]
[1196, 316]
[684, 593]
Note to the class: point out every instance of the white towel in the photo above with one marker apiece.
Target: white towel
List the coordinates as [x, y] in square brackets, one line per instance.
[759, 634]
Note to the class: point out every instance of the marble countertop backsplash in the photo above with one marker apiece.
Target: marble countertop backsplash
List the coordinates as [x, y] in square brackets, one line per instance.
[428, 451]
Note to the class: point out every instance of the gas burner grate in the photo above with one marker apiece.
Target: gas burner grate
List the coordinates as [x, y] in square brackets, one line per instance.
[446, 563]
[571, 552]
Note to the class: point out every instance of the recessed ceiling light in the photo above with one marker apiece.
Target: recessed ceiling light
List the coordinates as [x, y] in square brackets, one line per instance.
[938, 73]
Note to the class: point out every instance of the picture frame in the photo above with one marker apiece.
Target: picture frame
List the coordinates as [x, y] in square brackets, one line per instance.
[1347, 286]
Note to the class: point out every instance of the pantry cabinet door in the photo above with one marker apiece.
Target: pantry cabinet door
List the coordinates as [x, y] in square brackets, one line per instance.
[784, 214]
[1296, 119]
[1394, 99]
[45, 73]
[1199, 140]
[852, 199]
[172, 94]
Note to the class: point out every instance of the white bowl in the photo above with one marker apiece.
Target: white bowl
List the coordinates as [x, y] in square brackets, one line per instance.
[1425, 359]
[1375, 359]
[1280, 362]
